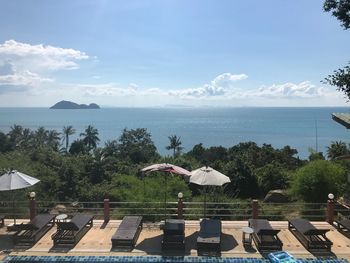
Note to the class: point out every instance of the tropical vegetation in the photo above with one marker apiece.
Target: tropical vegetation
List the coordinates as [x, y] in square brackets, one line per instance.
[86, 171]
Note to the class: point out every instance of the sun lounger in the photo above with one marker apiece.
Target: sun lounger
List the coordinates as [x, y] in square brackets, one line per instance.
[29, 233]
[264, 236]
[127, 232]
[69, 233]
[343, 226]
[209, 237]
[311, 237]
[174, 235]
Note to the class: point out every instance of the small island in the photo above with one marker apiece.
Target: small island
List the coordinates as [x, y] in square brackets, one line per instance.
[72, 105]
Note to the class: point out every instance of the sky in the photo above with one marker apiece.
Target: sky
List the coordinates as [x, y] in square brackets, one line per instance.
[172, 53]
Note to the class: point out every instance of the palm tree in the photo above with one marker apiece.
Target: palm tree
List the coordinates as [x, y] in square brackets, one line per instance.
[16, 134]
[53, 139]
[336, 149]
[41, 136]
[90, 137]
[67, 131]
[175, 143]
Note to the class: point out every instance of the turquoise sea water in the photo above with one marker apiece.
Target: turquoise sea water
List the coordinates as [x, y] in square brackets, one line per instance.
[211, 126]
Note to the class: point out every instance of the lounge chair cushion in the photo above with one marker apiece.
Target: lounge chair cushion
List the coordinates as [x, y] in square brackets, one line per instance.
[262, 227]
[210, 231]
[305, 227]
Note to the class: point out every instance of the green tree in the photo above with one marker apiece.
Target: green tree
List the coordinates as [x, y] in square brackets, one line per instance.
[340, 9]
[314, 181]
[272, 176]
[137, 145]
[53, 139]
[175, 144]
[5, 144]
[16, 134]
[78, 147]
[336, 149]
[41, 136]
[67, 131]
[340, 77]
[90, 137]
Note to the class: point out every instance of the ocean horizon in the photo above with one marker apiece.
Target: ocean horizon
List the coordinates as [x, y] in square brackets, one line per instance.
[301, 128]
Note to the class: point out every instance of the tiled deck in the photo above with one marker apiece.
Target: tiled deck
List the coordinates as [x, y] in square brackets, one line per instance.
[98, 241]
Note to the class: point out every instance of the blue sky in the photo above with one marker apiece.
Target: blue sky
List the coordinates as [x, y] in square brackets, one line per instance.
[160, 53]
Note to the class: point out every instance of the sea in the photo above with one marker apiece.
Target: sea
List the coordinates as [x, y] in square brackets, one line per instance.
[301, 128]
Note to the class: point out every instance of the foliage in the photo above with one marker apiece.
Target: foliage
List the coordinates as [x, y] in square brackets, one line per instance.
[137, 145]
[89, 173]
[271, 176]
[175, 145]
[340, 79]
[340, 9]
[314, 181]
[336, 149]
[67, 131]
[90, 137]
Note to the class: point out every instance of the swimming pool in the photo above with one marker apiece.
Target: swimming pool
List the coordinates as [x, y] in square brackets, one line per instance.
[155, 259]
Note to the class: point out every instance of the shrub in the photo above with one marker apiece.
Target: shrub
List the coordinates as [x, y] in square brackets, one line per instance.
[315, 180]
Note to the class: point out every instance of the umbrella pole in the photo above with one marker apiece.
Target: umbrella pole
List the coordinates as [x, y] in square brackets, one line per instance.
[13, 208]
[166, 186]
[205, 201]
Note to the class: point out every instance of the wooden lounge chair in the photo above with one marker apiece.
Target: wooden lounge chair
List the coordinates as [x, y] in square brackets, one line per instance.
[209, 237]
[69, 233]
[343, 226]
[28, 234]
[174, 235]
[311, 237]
[264, 236]
[127, 233]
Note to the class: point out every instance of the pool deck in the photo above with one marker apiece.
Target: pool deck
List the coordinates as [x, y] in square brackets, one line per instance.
[97, 241]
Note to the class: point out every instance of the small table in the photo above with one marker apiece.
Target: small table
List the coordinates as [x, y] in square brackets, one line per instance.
[61, 218]
[247, 240]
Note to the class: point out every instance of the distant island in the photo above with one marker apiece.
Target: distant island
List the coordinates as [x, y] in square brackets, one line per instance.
[71, 105]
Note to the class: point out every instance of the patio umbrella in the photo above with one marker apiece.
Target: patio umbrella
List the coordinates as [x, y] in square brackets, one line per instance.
[14, 180]
[207, 176]
[166, 167]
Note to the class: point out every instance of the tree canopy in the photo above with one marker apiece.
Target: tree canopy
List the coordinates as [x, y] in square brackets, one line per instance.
[340, 77]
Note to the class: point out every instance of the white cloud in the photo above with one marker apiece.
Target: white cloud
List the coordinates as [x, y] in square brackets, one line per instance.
[226, 80]
[25, 66]
[40, 57]
[217, 87]
[291, 90]
[13, 81]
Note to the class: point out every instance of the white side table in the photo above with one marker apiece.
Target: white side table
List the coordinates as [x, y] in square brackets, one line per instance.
[247, 235]
[61, 218]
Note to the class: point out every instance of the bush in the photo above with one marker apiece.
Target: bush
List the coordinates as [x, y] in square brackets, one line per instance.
[315, 180]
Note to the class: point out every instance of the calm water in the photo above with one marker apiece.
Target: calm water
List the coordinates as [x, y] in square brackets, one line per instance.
[212, 127]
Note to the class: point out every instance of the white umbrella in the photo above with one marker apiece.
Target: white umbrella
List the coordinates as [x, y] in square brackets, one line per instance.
[206, 176]
[166, 167]
[13, 180]
[16, 180]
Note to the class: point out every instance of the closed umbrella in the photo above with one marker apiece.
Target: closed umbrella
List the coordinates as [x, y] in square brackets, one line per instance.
[207, 176]
[14, 180]
[166, 167]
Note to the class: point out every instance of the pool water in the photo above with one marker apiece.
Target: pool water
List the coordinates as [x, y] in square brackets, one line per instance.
[156, 259]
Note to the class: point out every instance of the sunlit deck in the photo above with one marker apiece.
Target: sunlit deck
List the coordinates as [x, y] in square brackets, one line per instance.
[98, 241]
